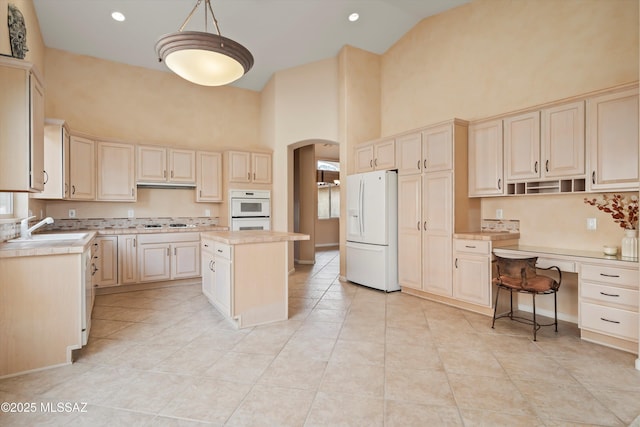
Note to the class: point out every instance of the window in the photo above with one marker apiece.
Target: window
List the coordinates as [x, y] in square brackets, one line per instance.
[6, 205]
[328, 189]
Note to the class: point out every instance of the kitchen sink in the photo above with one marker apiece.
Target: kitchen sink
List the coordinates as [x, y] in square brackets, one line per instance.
[52, 237]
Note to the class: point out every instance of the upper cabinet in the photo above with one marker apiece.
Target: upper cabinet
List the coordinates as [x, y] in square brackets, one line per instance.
[56, 161]
[157, 165]
[612, 137]
[82, 170]
[116, 172]
[428, 150]
[209, 177]
[22, 129]
[562, 141]
[485, 159]
[249, 167]
[522, 146]
[380, 155]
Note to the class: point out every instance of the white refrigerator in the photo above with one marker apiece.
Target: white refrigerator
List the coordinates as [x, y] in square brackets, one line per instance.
[372, 230]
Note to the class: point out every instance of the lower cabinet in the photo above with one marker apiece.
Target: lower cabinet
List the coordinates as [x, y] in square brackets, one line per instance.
[168, 256]
[105, 261]
[216, 275]
[608, 310]
[472, 271]
[128, 258]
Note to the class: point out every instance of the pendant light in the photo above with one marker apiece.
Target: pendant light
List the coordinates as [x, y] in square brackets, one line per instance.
[204, 58]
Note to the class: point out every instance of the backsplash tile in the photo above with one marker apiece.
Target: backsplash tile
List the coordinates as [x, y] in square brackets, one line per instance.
[500, 225]
[9, 231]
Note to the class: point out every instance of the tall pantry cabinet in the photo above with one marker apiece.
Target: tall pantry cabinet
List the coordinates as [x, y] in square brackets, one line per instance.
[432, 205]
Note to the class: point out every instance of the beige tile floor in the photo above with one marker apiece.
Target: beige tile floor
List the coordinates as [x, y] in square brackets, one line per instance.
[348, 356]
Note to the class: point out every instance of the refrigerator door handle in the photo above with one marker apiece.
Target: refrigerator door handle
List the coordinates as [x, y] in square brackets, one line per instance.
[361, 207]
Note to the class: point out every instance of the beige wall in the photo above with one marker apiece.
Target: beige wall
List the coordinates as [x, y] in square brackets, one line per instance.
[495, 56]
[359, 116]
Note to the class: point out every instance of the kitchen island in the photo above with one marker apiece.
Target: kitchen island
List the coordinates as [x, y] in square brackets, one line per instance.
[245, 274]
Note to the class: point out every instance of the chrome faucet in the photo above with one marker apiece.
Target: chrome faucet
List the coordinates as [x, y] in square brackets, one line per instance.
[25, 231]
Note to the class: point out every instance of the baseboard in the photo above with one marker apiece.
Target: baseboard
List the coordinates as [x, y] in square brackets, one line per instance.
[548, 313]
[304, 262]
[328, 245]
[149, 285]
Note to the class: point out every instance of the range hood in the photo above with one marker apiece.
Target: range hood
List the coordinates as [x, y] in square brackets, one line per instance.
[176, 185]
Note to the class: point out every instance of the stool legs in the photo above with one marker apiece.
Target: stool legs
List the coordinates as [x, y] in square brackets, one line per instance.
[495, 308]
[535, 323]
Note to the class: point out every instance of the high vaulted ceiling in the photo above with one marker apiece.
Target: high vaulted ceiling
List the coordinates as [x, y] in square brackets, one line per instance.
[279, 33]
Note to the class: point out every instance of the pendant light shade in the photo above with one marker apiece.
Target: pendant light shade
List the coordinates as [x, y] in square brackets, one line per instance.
[204, 58]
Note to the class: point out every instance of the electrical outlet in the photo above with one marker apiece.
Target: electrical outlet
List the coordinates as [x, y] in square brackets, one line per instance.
[498, 213]
[130, 213]
[72, 213]
[207, 212]
[592, 224]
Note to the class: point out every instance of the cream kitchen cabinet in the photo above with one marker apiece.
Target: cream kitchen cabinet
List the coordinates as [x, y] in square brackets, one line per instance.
[168, 256]
[522, 146]
[82, 171]
[128, 258]
[56, 161]
[216, 275]
[249, 167]
[209, 177]
[22, 129]
[379, 155]
[430, 206]
[472, 271]
[545, 144]
[105, 271]
[608, 305]
[156, 165]
[425, 151]
[612, 138]
[486, 176]
[116, 172]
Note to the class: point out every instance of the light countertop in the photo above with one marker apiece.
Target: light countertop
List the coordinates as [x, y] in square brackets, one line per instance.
[485, 235]
[252, 236]
[47, 247]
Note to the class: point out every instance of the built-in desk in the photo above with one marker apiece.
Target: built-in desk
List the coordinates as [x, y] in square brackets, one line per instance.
[608, 295]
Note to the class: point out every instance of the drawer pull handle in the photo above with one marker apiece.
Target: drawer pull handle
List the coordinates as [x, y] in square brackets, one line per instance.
[220, 250]
[609, 275]
[608, 295]
[610, 321]
[206, 246]
[469, 246]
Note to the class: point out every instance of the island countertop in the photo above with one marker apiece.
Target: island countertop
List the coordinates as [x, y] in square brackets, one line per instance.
[252, 236]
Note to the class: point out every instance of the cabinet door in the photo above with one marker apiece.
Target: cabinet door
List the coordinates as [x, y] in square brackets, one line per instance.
[364, 158]
[562, 140]
[182, 166]
[36, 133]
[384, 155]
[222, 292]
[522, 146]
[154, 262]
[107, 262]
[471, 279]
[82, 169]
[116, 172]
[261, 166]
[209, 177]
[239, 166]
[485, 159]
[613, 141]
[56, 164]
[437, 217]
[437, 148]
[151, 164]
[186, 260]
[409, 153]
[208, 268]
[410, 231]
[127, 258]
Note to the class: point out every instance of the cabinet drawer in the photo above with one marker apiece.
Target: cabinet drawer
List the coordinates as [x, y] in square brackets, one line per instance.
[612, 275]
[171, 237]
[610, 294]
[207, 245]
[223, 250]
[611, 321]
[472, 246]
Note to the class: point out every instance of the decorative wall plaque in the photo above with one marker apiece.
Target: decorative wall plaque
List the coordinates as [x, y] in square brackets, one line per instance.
[17, 32]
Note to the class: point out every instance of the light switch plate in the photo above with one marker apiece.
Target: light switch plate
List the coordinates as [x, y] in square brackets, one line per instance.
[207, 212]
[72, 213]
[130, 213]
[592, 224]
[498, 213]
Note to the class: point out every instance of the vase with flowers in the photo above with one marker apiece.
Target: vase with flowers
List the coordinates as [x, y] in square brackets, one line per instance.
[624, 211]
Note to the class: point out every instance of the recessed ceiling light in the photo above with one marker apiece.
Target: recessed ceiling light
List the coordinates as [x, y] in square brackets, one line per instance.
[118, 16]
[354, 17]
